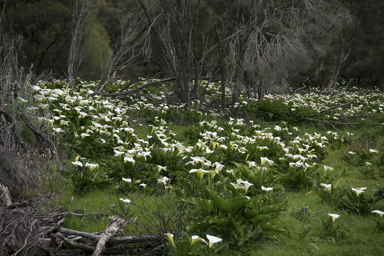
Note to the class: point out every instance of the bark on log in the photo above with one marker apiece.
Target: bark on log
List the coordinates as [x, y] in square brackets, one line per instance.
[5, 195]
[115, 224]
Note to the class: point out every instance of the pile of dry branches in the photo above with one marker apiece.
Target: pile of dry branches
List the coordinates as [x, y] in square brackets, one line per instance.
[24, 231]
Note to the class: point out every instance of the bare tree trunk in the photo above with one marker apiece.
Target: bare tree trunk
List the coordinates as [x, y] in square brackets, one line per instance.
[335, 73]
[76, 54]
[222, 71]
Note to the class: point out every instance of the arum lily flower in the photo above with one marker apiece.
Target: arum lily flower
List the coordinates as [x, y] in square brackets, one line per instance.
[170, 239]
[219, 167]
[266, 189]
[373, 151]
[241, 184]
[200, 172]
[334, 216]
[58, 130]
[378, 212]
[128, 159]
[91, 166]
[196, 239]
[327, 186]
[83, 135]
[125, 200]
[143, 185]
[265, 160]
[63, 122]
[126, 180]
[247, 185]
[252, 164]
[326, 168]
[118, 153]
[213, 239]
[78, 163]
[161, 168]
[163, 180]
[358, 190]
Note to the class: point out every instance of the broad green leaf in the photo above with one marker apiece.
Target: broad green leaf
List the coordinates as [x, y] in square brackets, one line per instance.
[204, 204]
[271, 226]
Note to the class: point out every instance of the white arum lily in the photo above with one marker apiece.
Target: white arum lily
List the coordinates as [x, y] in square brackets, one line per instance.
[125, 200]
[373, 151]
[265, 160]
[358, 190]
[128, 159]
[126, 180]
[91, 166]
[247, 185]
[83, 135]
[163, 180]
[378, 212]
[58, 130]
[242, 184]
[213, 239]
[218, 166]
[328, 168]
[327, 186]
[170, 239]
[143, 185]
[266, 189]
[78, 163]
[118, 153]
[200, 172]
[161, 168]
[196, 239]
[334, 216]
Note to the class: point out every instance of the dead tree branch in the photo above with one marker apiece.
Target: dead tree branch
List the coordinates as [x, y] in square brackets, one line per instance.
[115, 224]
[39, 136]
[133, 90]
[334, 107]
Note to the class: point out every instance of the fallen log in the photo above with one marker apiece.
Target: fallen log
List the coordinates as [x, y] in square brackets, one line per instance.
[115, 224]
[114, 240]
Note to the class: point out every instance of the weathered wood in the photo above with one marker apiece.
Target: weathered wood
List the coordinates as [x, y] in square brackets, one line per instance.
[334, 107]
[5, 195]
[113, 240]
[115, 224]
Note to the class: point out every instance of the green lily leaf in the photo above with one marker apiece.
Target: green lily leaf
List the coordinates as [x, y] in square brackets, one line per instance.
[204, 204]
[271, 226]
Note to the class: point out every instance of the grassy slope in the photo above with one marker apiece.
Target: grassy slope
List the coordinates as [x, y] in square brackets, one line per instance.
[367, 241]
